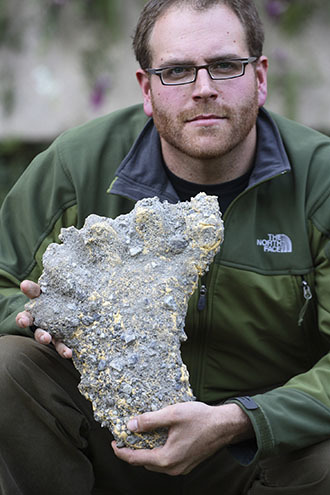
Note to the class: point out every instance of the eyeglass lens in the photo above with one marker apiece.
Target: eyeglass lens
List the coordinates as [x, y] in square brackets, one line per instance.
[218, 70]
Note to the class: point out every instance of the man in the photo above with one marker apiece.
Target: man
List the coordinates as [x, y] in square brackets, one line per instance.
[258, 330]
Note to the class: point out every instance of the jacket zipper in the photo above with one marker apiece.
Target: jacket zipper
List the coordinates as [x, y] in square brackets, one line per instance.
[307, 293]
[202, 300]
[201, 328]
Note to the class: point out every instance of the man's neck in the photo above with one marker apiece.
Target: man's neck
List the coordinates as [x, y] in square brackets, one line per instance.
[213, 170]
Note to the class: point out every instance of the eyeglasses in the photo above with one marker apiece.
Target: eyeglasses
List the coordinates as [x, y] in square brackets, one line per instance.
[176, 75]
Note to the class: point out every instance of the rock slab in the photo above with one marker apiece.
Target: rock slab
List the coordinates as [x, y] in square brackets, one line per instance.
[116, 292]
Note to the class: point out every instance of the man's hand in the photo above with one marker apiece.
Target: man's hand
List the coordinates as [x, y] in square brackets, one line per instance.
[196, 431]
[24, 320]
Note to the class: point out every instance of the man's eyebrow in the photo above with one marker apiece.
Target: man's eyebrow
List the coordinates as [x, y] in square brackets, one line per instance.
[175, 62]
[209, 60]
[224, 56]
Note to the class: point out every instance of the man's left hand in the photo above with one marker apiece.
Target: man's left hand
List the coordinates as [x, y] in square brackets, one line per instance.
[195, 432]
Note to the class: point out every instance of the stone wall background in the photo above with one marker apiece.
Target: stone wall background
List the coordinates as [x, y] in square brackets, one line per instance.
[64, 62]
[68, 67]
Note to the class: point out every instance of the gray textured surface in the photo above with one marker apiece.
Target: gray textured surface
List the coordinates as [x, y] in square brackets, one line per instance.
[116, 292]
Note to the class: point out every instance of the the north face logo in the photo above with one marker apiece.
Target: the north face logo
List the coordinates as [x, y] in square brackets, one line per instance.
[276, 243]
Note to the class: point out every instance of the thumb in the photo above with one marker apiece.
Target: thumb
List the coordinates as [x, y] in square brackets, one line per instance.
[150, 421]
[30, 289]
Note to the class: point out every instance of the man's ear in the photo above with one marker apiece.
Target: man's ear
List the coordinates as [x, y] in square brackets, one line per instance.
[144, 82]
[261, 72]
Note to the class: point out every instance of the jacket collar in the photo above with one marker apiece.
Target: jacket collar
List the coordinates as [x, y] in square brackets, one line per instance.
[142, 174]
[271, 158]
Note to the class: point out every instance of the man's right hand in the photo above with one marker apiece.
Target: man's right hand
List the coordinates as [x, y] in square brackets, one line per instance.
[24, 320]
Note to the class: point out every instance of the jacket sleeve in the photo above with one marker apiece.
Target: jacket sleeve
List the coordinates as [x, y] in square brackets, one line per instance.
[297, 414]
[60, 188]
[41, 202]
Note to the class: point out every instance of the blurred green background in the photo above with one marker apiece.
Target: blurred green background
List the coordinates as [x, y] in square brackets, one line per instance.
[64, 62]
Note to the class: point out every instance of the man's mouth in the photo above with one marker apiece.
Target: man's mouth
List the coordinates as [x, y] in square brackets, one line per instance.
[206, 119]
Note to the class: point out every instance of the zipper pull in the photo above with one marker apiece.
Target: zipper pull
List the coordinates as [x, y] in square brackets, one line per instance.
[202, 298]
[307, 296]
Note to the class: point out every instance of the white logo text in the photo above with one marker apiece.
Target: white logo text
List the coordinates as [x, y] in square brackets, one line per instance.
[276, 243]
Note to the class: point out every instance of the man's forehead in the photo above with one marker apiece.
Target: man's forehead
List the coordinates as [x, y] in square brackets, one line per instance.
[185, 33]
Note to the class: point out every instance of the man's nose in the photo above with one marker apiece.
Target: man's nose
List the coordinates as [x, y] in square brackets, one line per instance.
[204, 86]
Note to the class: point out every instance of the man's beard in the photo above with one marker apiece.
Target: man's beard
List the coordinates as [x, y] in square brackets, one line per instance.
[222, 139]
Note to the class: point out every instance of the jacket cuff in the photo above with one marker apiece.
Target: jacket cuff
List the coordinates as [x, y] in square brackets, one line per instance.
[261, 445]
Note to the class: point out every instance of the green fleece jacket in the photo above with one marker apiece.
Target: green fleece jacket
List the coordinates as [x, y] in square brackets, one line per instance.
[261, 335]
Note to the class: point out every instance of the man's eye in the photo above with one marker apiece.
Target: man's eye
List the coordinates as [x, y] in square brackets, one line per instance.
[224, 66]
[177, 72]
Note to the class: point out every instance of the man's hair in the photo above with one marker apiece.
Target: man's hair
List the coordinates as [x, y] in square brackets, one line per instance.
[244, 9]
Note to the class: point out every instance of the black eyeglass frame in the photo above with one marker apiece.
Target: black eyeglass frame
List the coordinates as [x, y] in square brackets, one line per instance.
[159, 72]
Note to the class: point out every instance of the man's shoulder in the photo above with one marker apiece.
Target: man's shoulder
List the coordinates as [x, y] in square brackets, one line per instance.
[309, 153]
[124, 123]
[308, 150]
[295, 134]
[102, 142]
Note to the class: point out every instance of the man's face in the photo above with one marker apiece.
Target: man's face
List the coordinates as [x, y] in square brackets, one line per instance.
[207, 118]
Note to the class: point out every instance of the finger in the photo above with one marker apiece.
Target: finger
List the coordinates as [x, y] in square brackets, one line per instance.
[137, 457]
[62, 349]
[155, 460]
[24, 319]
[30, 289]
[42, 336]
[151, 421]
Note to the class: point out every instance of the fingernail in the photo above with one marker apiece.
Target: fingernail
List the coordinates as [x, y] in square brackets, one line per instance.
[132, 425]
